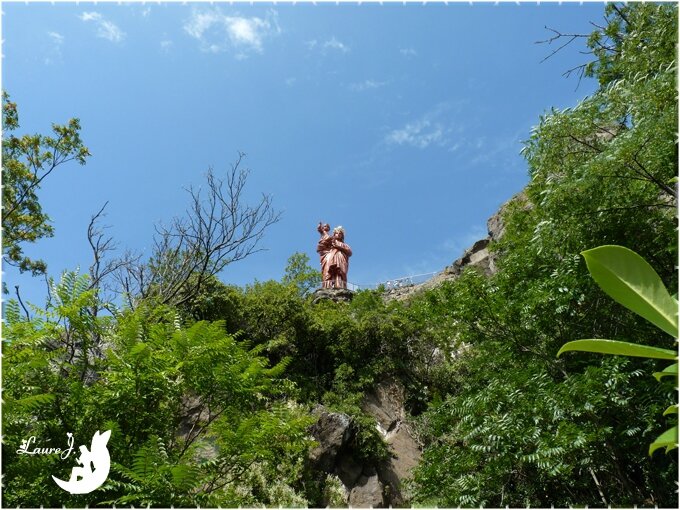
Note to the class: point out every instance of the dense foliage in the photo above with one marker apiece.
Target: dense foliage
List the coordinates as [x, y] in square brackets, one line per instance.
[632, 282]
[200, 415]
[195, 414]
[209, 398]
[522, 427]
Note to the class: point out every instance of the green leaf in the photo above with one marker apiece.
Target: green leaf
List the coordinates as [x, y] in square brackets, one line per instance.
[669, 370]
[30, 403]
[631, 281]
[140, 350]
[671, 410]
[668, 439]
[619, 348]
[185, 477]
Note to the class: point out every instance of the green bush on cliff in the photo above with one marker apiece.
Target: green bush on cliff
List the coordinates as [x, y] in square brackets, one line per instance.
[193, 411]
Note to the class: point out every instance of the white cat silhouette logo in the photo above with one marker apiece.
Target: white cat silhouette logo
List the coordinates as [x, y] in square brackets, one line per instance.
[96, 464]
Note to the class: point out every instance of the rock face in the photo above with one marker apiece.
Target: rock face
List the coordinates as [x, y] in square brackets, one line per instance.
[333, 432]
[336, 295]
[361, 486]
[478, 255]
[386, 404]
[368, 492]
[366, 486]
[194, 411]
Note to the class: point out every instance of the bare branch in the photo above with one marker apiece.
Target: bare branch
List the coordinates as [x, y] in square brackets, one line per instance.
[99, 244]
[131, 276]
[16, 289]
[559, 35]
[217, 229]
[581, 73]
[101, 268]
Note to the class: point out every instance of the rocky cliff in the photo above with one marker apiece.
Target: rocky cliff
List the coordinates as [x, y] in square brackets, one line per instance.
[478, 255]
[352, 482]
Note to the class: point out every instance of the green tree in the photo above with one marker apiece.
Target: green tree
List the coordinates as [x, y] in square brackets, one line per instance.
[613, 157]
[215, 301]
[518, 427]
[301, 274]
[197, 417]
[26, 162]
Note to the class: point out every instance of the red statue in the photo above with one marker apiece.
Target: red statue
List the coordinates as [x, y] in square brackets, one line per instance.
[334, 254]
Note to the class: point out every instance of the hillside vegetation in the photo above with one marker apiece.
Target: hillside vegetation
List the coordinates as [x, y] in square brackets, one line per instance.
[209, 398]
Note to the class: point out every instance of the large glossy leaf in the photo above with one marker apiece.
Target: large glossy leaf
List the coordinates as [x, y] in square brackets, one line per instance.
[668, 371]
[668, 439]
[631, 281]
[671, 410]
[618, 347]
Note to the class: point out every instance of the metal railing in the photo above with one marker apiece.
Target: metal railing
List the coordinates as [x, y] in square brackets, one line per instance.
[395, 283]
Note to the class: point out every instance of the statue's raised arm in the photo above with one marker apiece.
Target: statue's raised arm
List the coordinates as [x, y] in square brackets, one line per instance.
[323, 229]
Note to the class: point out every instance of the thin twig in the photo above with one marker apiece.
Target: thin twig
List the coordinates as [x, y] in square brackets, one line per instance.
[16, 289]
[559, 35]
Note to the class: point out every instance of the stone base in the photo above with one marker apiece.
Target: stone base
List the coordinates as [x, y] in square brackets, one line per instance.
[336, 295]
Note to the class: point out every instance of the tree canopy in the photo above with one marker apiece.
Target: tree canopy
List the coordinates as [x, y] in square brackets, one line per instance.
[27, 161]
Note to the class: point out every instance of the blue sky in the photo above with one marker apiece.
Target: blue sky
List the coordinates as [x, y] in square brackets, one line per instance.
[403, 123]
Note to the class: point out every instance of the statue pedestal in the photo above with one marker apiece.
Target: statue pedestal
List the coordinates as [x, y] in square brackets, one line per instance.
[336, 295]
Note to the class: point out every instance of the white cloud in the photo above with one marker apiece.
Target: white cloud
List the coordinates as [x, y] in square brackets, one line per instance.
[56, 37]
[332, 44]
[105, 29]
[367, 85]
[335, 44]
[438, 126]
[408, 52]
[53, 53]
[166, 44]
[420, 134]
[218, 32]
[90, 16]
[247, 31]
[110, 31]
